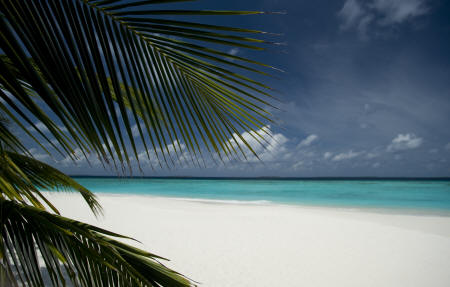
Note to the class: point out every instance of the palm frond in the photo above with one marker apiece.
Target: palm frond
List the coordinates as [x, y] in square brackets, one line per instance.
[103, 66]
[22, 178]
[85, 254]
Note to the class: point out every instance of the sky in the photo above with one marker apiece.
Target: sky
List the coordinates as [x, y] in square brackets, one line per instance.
[366, 91]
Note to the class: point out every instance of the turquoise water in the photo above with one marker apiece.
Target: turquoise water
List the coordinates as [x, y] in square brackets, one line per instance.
[416, 194]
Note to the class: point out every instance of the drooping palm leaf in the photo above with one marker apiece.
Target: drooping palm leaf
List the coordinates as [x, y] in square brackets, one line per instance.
[76, 55]
[70, 250]
[22, 178]
[87, 255]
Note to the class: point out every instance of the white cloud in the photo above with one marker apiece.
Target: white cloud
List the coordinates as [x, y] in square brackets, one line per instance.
[271, 148]
[78, 158]
[327, 155]
[373, 154]
[298, 164]
[398, 11]
[176, 147]
[41, 156]
[135, 130]
[363, 26]
[404, 142]
[307, 141]
[350, 14]
[43, 128]
[346, 155]
[149, 158]
[268, 150]
[177, 150]
[37, 155]
[362, 15]
[40, 126]
[233, 51]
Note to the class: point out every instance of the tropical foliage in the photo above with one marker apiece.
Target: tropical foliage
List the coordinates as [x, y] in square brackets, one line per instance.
[90, 72]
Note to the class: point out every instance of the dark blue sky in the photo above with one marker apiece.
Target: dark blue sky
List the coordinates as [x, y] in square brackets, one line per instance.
[366, 90]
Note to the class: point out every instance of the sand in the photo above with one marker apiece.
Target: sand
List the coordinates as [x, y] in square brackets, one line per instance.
[230, 244]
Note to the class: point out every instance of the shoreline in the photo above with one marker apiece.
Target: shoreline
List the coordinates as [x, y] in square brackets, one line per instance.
[369, 209]
[277, 245]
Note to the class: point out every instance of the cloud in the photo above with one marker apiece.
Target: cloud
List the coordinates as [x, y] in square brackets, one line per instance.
[43, 128]
[40, 126]
[372, 154]
[404, 142]
[327, 155]
[346, 155]
[176, 152]
[362, 15]
[37, 155]
[233, 51]
[363, 26]
[307, 141]
[447, 146]
[176, 147]
[41, 156]
[268, 149]
[78, 158]
[269, 146]
[298, 164]
[135, 130]
[398, 11]
[350, 14]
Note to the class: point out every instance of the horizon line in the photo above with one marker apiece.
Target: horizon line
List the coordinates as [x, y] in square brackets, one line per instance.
[272, 177]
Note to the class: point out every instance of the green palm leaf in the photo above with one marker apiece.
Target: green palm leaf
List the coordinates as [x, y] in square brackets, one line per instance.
[22, 178]
[87, 255]
[77, 54]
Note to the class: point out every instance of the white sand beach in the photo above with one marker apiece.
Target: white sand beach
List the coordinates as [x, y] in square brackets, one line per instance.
[230, 244]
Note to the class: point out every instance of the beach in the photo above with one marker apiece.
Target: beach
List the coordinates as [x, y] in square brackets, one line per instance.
[220, 243]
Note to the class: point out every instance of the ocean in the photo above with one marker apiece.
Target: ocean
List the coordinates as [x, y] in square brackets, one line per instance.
[359, 193]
